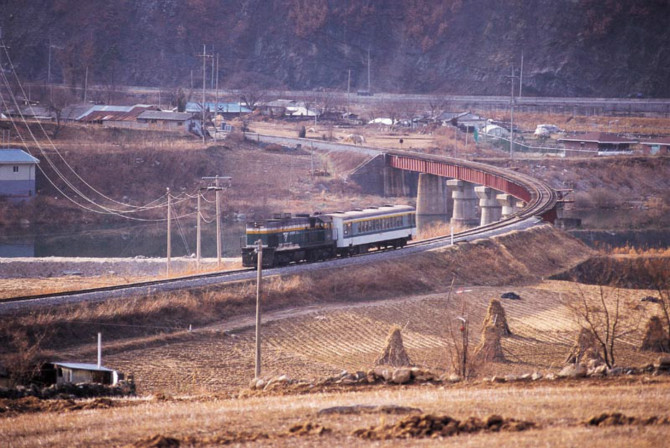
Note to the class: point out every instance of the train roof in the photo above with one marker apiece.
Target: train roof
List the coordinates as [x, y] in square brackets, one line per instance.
[373, 211]
[287, 219]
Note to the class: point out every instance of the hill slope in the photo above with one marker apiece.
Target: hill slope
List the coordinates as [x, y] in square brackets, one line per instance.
[586, 47]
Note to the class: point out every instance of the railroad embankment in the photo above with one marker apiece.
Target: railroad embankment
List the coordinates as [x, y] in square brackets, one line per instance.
[516, 258]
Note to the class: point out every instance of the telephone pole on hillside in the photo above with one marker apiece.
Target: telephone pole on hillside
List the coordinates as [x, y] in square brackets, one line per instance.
[511, 114]
[204, 57]
[259, 280]
[218, 190]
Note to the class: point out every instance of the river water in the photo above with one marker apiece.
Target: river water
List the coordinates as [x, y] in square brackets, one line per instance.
[613, 228]
[148, 240]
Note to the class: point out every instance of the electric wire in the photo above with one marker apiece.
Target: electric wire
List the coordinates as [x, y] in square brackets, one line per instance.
[141, 208]
[78, 192]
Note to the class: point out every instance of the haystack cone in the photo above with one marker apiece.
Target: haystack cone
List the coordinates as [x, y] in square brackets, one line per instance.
[495, 316]
[655, 337]
[490, 348]
[394, 353]
[585, 348]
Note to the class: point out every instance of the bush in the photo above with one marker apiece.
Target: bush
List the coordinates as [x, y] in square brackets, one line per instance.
[605, 198]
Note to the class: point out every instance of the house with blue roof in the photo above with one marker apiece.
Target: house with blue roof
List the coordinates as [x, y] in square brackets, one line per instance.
[227, 110]
[17, 174]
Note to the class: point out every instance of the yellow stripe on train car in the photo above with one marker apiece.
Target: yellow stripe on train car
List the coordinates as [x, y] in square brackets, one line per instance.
[377, 217]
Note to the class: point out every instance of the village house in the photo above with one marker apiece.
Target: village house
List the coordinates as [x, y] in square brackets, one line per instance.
[277, 108]
[31, 112]
[597, 143]
[163, 120]
[658, 145]
[75, 373]
[226, 110]
[287, 108]
[114, 116]
[17, 174]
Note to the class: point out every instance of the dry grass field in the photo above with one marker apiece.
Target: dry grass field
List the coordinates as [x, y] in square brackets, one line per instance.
[190, 381]
[193, 385]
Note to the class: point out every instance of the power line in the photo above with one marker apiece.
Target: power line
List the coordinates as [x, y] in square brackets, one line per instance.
[60, 175]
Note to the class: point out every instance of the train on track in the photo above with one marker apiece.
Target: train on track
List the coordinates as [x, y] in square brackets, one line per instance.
[293, 239]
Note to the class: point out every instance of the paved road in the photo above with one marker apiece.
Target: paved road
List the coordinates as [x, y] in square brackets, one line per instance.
[623, 106]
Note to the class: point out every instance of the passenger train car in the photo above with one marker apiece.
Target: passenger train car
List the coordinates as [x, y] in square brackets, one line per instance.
[288, 239]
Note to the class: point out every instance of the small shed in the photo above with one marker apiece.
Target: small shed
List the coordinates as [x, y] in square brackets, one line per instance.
[658, 145]
[17, 174]
[600, 143]
[493, 130]
[157, 119]
[74, 372]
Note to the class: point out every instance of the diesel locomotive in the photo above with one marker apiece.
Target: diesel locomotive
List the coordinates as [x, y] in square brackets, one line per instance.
[292, 239]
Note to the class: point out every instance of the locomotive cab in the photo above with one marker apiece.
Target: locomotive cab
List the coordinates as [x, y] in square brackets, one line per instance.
[286, 239]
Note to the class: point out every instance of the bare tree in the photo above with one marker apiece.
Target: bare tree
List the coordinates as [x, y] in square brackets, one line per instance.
[252, 95]
[458, 338]
[56, 103]
[436, 105]
[602, 313]
[23, 357]
[658, 269]
[178, 98]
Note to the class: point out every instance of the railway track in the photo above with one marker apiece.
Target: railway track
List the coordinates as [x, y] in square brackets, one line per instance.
[543, 199]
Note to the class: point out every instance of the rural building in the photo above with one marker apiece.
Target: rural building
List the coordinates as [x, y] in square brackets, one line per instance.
[30, 112]
[74, 372]
[75, 112]
[493, 130]
[17, 174]
[277, 108]
[449, 118]
[597, 143]
[114, 116]
[658, 145]
[226, 110]
[157, 119]
[469, 122]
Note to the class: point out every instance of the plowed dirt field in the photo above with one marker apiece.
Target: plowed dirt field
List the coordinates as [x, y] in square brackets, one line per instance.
[323, 340]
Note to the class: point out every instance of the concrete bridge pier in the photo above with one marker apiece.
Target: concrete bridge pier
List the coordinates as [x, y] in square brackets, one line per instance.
[509, 204]
[395, 183]
[432, 204]
[465, 202]
[489, 205]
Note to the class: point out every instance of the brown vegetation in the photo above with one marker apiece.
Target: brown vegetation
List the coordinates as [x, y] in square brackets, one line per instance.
[394, 352]
[495, 317]
[655, 336]
[490, 348]
[584, 349]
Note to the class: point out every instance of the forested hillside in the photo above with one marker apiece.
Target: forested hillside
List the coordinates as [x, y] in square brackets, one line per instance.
[570, 47]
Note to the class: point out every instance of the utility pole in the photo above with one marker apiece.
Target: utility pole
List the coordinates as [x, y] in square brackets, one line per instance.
[259, 279]
[218, 225]
[204, 80]
[197, 239]
[216, 94]
[212, 80]
[511, 115]
[86, 84]
[51, 89]
[521, 75]
[348, 86]
[204, 55]
[369, 71]
[169, 224]
[218, 190]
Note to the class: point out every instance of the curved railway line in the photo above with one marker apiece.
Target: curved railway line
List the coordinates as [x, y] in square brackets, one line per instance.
[542, 201]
